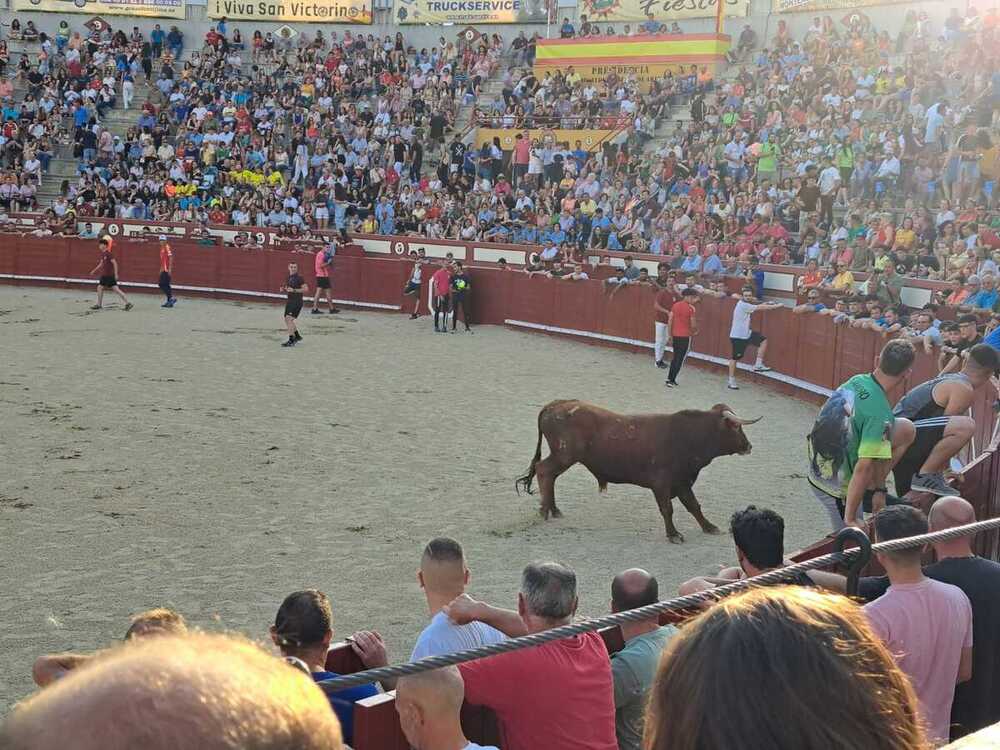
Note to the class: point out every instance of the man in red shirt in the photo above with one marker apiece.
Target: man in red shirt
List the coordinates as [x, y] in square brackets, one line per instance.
[441, 289]
[559, 695]
[166, 269]
[108, 267]
[522, 153]
[662, 303]
[682, 327]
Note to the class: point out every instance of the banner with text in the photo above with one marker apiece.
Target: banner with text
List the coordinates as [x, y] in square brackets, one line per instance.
[819, 6]
[147, 8]
[469, 12]
[662, 10]
[589, 140]
[293, 11]
[644, 58]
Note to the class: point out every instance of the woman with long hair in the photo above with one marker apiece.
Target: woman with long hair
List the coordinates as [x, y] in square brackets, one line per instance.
[785, 668]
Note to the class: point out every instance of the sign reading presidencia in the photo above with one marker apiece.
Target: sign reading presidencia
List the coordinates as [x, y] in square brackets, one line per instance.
[662, 10]
[470, 11]
[299, 11]
[155, 8]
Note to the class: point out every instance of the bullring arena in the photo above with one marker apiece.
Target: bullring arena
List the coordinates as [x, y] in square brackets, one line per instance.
[182, 458]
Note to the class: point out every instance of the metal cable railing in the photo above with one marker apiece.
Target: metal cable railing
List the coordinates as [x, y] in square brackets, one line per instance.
[648, 612]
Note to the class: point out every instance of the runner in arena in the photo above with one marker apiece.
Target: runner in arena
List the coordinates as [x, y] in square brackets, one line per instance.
[441, 289]
[295, 286]
[741, 336]
[461, 288]
[108, 267]
[166, 269]
[938, 409]
[413, 286]
[323, 265]
[682, 326]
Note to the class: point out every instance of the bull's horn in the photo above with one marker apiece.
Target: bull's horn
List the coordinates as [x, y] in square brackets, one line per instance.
[733, 418]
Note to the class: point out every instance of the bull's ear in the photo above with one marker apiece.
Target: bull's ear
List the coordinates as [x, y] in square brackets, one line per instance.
[720, 408]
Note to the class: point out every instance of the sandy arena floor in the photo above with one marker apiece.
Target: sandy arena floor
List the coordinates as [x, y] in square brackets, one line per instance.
[183, 458]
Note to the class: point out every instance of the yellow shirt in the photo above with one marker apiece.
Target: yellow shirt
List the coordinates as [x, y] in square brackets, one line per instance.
[843, 281]
[588, 206]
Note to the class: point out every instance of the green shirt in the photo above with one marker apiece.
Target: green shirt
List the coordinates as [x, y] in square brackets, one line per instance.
[767, 162]
[845, 158]
[856, 422]
[633, 669]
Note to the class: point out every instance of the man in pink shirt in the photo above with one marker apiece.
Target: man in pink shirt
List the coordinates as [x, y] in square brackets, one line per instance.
[926, 624]
[322, 263]
[522, 154]
[559, 695]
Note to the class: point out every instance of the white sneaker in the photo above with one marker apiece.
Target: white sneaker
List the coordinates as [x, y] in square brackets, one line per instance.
[732, 386]
[761, 368]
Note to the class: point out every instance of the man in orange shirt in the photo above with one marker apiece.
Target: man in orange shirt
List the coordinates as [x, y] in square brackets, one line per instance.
[441, 289]
[682, 326]
[166, 268]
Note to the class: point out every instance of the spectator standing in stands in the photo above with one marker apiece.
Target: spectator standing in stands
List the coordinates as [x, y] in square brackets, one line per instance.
[441, 289]
[977, 702]
[443, 576]
[414, 285]
[209, 692]
[429, 705]
[938, 409]
[662, 304]
[295, 286]
[968, 338]
[683, 325]
[634, 667]
[461, 288]
[108, 279]
[741, 336]
[166, 271]
[303, 630]
[573, 706]
[784, 669]
[926, 624]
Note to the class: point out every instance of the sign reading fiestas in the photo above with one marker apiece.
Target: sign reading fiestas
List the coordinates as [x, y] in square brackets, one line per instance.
[661, 10]
[155, 8]
[299, 11]
[471, 11]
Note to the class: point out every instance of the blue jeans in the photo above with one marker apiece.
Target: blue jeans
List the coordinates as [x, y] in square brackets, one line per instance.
[88, 155]
[340, 215]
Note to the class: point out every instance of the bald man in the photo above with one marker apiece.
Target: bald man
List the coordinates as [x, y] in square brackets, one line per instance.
[443, 576]
[429, 705]
[977, 701]
[208, 692]
[634, 667]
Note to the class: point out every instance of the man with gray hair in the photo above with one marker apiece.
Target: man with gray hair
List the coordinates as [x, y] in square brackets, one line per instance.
[561, 690]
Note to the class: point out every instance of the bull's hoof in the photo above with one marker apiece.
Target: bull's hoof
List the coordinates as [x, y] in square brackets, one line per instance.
[556, 513]
[677, 538]
[712, 529]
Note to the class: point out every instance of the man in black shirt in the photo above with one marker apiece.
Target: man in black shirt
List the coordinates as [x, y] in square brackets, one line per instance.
[295, 287]
[457, 153]
[977, 701]
[461, 287]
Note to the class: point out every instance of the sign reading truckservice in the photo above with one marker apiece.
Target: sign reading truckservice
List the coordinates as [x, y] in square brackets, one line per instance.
[662, 10]
[298, 11]
[146, 8]
[470, 11]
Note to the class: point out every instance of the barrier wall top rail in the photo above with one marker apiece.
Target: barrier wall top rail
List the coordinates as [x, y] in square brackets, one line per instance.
[651, 611]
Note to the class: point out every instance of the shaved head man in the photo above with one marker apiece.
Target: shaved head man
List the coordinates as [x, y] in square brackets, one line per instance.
[977, 701]
[634, 667]
[199, 691]
[443, 576]
[429, 704]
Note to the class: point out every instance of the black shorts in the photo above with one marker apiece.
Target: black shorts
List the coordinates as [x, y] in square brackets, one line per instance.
[293, 307]
[412, 287]
[108, 282]
[322, 282]
[740, 345]
[915, 456]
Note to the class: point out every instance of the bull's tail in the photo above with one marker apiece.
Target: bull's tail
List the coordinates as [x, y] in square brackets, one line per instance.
[525, 481]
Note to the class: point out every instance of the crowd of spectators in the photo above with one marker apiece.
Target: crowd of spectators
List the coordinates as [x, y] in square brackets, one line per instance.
[798, 667]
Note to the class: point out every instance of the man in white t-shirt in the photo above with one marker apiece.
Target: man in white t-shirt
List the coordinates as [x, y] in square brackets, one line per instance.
[429, 706]
[829, 184]
[741, 336]
[443, 576]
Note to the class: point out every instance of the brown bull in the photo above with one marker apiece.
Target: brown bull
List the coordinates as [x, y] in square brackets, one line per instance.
[662, 452]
